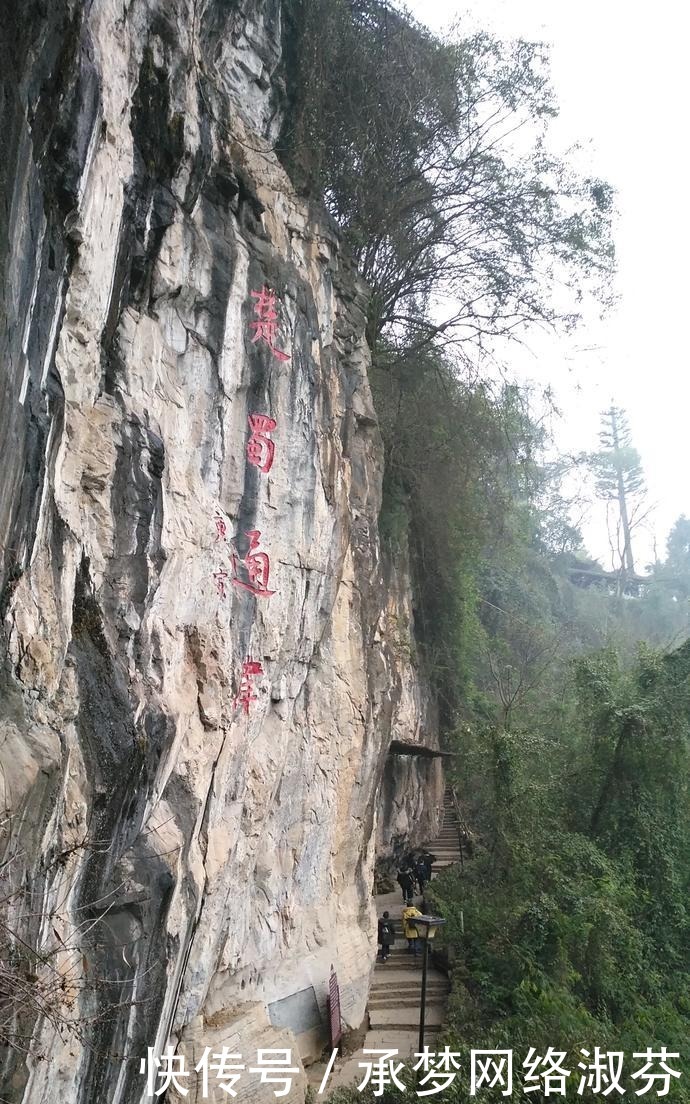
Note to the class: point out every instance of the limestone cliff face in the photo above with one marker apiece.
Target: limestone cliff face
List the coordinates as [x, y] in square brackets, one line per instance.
[187, 871]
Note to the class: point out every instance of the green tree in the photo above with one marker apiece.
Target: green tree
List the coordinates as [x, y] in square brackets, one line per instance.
[676, 568]
[431, 156]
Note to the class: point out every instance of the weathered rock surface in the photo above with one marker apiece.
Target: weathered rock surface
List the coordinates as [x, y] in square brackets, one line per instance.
[176, 862]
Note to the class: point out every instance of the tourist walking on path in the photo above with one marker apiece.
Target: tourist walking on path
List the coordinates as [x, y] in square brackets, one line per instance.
[386, 936]
[409, 928]
[422, 872]
[405, 880]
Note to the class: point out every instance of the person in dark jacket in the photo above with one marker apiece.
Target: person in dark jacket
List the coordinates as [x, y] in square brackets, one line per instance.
[386, 936]
[421, 873]
[405, 880]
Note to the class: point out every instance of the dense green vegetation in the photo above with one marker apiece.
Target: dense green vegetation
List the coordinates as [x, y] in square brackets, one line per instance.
[565, 698]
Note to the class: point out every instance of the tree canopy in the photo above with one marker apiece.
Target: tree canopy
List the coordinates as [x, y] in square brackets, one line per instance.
[432, 156]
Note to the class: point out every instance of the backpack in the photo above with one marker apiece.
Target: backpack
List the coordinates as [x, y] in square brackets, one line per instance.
[387, 933]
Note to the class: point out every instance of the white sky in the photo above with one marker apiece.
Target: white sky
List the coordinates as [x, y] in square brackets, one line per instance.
[619, 71]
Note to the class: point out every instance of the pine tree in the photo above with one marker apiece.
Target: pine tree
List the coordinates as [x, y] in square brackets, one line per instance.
[618, 478]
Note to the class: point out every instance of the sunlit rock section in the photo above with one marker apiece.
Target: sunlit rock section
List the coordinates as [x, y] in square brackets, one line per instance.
[189, 871]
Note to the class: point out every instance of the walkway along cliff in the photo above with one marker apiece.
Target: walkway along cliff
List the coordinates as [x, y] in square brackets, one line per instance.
[206, 655]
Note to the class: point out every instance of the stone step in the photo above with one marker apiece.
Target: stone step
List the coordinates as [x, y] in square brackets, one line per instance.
[400, 946]
[407, 987]
[413, 994]
[404, 1017]
[405, 974]
[392, 963]
[404, 1041]
[407, 1002]
[410, 1000]
[404, 958]
[410, 963]
[399, 950]
[414, 964]
[411, 986]
[382, 985]
[392, 998]
[430, 1031]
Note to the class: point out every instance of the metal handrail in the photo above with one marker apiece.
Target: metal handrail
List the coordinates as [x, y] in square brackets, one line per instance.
[463, 829]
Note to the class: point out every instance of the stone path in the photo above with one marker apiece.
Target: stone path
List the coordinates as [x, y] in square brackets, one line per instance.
[394, 998]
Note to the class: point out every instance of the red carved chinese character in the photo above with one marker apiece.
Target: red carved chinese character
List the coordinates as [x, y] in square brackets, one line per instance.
[260, 447]
[257, 566]
[250, 668]
[220, 577]
[266, 328]
[221, 527]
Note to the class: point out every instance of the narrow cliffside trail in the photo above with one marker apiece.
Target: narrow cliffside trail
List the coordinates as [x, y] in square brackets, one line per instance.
[394, 999]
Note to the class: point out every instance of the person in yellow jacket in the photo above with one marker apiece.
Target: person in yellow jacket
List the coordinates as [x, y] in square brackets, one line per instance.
[410, 931]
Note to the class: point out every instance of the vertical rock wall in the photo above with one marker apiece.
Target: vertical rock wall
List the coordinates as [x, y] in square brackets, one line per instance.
[182, 865]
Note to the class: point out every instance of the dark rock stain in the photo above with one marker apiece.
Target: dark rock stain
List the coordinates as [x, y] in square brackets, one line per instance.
[125, 887]
[48, 112]
[149, 206]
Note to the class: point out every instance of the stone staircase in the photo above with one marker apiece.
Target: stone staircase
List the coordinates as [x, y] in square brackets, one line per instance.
[394, 998]
[446, 847]
[395, 994]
